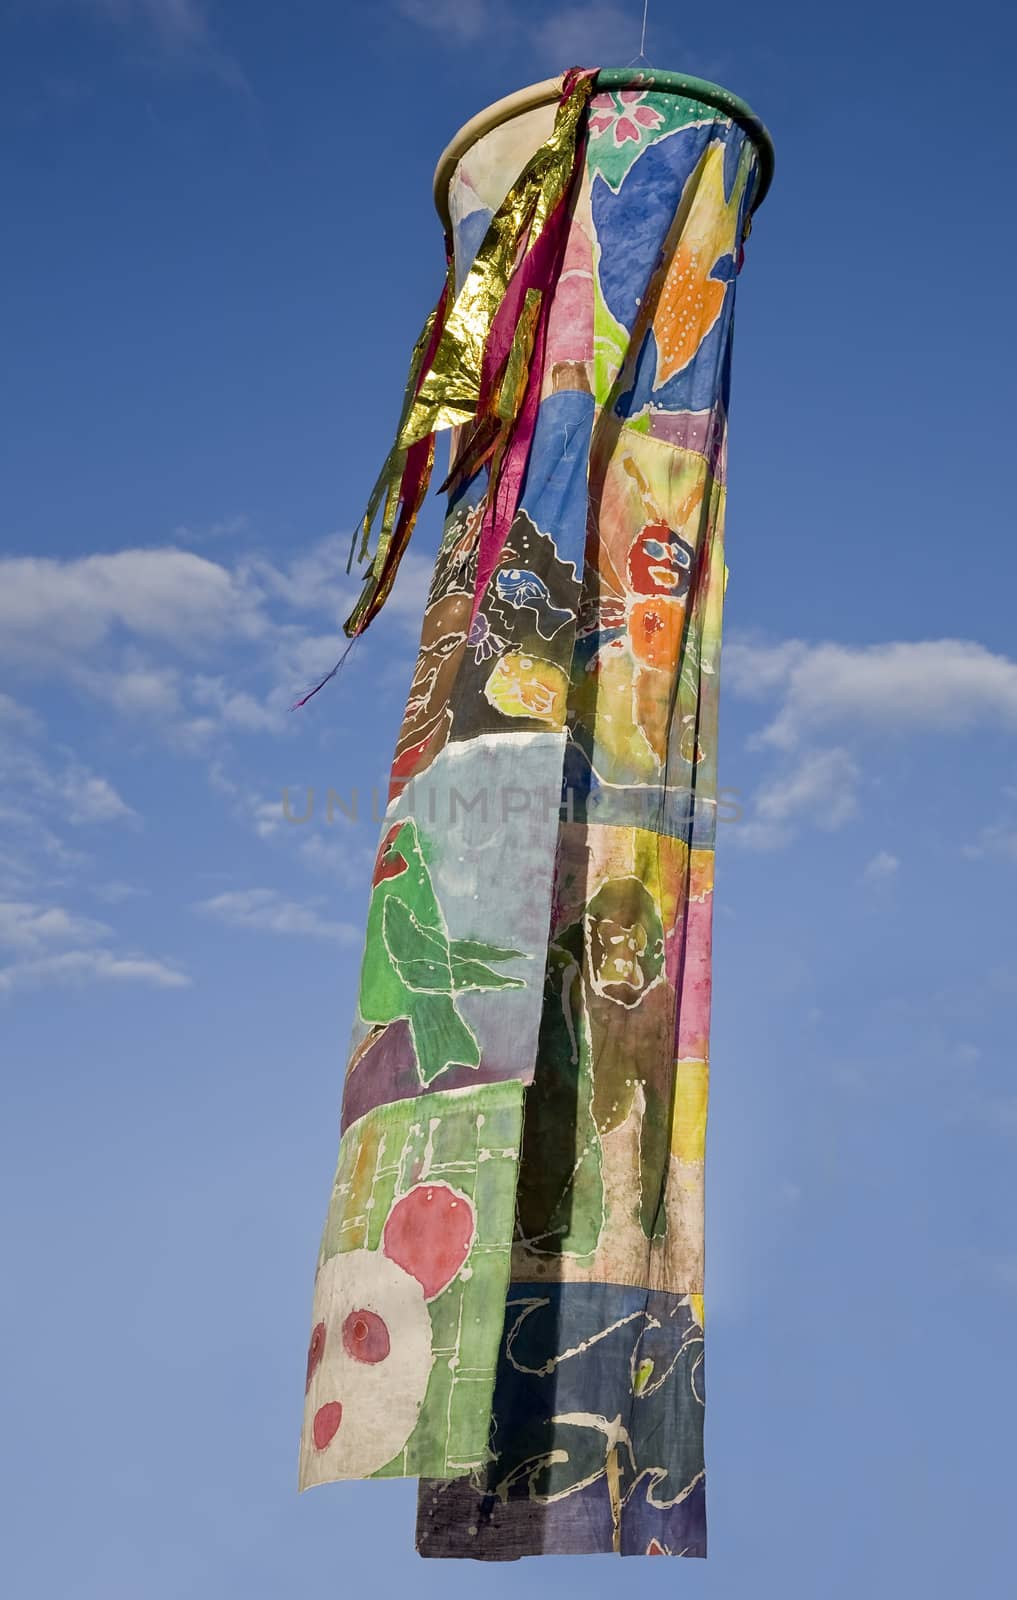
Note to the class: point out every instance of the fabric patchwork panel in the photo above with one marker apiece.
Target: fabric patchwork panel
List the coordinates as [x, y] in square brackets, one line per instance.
[415, 1253]
[603, 1387]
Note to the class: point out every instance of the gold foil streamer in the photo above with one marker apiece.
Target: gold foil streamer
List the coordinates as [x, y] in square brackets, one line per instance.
[387, 486]
[450, 392]
[378, 581]
[449, 395]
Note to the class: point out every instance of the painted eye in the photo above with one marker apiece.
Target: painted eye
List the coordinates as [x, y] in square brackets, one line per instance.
[365, 1337]
[315, 1351]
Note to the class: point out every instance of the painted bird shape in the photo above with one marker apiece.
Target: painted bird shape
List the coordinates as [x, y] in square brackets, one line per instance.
[518, 587]
[412, 969]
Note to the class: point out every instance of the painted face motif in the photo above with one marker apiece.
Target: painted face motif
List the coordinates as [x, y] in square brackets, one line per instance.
[370, 1354]
[442, 642]
[660, 562]
[527, 686]
[624, 941]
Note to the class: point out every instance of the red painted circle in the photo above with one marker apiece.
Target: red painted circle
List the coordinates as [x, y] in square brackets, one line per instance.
[429, 1233]
[326, 1423]
[365, 1337]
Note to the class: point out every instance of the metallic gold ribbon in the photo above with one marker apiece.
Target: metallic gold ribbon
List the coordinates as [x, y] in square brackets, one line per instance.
[459, 373]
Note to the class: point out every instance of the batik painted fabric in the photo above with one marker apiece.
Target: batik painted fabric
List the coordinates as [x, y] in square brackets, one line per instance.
[509, 1296]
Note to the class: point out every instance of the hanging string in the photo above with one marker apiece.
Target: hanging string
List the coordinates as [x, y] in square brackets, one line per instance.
[642, 40]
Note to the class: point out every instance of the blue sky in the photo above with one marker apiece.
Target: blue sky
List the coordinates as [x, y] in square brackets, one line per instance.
[219, 246]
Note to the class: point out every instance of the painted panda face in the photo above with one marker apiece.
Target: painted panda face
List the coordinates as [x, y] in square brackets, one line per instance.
[369, 1358]
[660, 562]
[367, 1366]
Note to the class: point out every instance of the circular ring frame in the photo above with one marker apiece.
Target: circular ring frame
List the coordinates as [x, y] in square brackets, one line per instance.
[608, 78]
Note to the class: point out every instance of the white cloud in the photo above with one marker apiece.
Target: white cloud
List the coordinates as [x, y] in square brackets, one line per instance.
[462, 21]
[313, 581]
[91, 966]
[588, 34]
[116, 891]
[266, 816]
[882, 866]
[223, 528]
[178, 22]
[754, 834]
[68, 792]
[51, 610]
[134, 691]
[268, 912]
[36, 847]
[140, 630]
[25, 926]
[757, 671]
[929, 685]
[172, 32]
[35, 933]
[577, 34]
[44, 792]
[820, 786]
[240, 708]
[18, 716]
[998, 839]
[89, 798]
[343, 858]
[409, 592]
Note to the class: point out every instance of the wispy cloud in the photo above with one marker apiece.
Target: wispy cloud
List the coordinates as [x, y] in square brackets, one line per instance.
[52, 782]
[179, 22]
[460, 20]
[24, 926]
[191, 646]
[822, 783]
[264, 814]
[115, 891]
[881, 867]
[345, 859]
[589, 35]
[90, 798]
[228, 527]
[602, 32]
[54, 945]
[82, 967]
[818, 787]
[18, 716]
[891, 690]
[926, 685]
[179, 31]
[137, 690]
[267, 911]
[45, 793]
[997, 839]
[51, 609]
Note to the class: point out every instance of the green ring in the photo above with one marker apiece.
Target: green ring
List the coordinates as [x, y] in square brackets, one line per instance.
[712, 94]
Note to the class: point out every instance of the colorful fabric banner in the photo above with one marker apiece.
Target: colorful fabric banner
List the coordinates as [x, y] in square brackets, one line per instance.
[509, 1296]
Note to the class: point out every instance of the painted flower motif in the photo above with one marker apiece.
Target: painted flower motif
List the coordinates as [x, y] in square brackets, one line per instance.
[624, 114]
